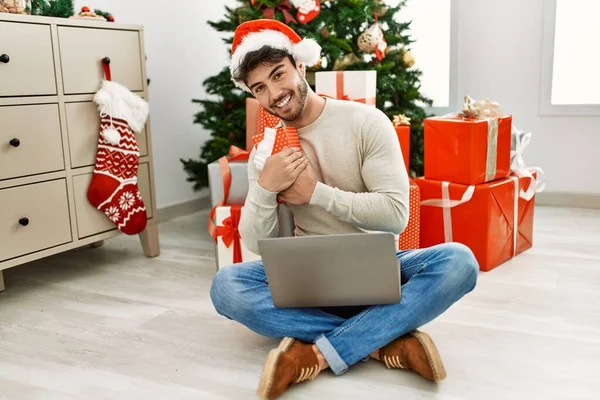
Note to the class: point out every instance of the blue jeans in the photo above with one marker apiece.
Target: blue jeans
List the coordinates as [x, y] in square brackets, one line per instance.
[432, 280]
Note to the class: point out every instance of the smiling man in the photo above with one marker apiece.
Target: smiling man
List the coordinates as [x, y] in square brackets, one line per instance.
[349, 177]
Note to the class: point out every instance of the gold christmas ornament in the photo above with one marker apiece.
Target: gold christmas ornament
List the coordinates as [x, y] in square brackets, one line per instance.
[380, 8]
[408, 59]
[401, 119]
[345, 61]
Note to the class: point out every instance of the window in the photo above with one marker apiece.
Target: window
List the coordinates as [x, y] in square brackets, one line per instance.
[433, 47]
[570, 80]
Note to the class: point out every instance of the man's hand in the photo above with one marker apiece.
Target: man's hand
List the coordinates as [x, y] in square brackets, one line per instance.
[301, 190]
[282, 169]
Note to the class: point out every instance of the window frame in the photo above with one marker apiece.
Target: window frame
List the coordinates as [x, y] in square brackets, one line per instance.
[546, 108]
[454, 99]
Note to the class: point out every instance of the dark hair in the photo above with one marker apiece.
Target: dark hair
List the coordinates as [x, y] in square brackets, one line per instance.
[266, 55]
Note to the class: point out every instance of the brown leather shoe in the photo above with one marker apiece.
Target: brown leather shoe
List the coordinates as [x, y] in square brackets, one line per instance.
[290, 363]
[414, 351]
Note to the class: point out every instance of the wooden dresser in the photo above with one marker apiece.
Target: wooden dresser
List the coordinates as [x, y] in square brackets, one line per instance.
[50, 69]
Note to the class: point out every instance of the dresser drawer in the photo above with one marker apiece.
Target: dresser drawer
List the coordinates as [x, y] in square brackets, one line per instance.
[33, 217]
[83, 124]
[30, 67]
[91, 221]
[81, 53]
[30, 140]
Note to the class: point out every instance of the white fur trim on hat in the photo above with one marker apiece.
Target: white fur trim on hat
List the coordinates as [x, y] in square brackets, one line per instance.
[307, 51]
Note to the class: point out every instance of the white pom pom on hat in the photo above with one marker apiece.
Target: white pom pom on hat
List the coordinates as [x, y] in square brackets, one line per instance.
[252, 35]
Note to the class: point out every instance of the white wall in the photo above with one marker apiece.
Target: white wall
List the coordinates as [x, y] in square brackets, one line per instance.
[182, 51]
[500, 44]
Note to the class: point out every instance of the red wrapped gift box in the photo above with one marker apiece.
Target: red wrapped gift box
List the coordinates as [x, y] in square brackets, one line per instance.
[402, 125]
[403, 133]
[494, 219]
[272, 141]
[409, 238]
[470, 147]
[257, 119]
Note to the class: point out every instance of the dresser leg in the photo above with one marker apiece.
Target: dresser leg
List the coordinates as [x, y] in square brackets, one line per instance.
[149, 240]
[1, 281]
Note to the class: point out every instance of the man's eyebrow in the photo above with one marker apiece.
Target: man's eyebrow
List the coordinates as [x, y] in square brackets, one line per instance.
[277, 68]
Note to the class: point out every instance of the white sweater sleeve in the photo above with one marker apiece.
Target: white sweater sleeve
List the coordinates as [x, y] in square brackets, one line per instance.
[259, 218]
[385, 207]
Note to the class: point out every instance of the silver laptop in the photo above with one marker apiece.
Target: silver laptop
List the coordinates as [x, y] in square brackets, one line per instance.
[332, 270]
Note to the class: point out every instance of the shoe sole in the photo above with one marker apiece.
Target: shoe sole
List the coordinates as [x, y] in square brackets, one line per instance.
[266, 378]
[435, 360]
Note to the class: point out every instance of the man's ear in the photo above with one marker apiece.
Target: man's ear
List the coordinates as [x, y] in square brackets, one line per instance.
[302, 69]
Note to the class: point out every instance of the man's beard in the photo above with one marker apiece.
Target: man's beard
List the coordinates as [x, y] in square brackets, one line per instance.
[303, 92]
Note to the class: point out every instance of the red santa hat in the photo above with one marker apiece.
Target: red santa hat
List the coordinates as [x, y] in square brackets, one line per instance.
[252, 35]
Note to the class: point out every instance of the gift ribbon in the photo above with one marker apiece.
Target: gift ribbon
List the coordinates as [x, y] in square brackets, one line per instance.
[269, 12]
[235, 154]
[492, 149]
[341, 95]
[264, 147]
[490, 111]
[520, 141]
[515, 214]
[273, 140]
[446, 203]
[519, 194]
[230, 233]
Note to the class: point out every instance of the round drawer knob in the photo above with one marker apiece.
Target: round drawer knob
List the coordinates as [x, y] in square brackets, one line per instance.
[24, 221]
[15, 142]
[4, 58]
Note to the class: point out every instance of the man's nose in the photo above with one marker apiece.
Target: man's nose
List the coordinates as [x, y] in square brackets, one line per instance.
[276, 93]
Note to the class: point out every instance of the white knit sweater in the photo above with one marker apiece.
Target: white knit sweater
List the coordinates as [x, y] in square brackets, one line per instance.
[362, 182]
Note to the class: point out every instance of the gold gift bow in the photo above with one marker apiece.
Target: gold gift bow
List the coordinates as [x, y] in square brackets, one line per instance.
[401, 119]
[480, 109]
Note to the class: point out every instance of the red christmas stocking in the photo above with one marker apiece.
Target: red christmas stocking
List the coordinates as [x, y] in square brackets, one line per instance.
[113, 188]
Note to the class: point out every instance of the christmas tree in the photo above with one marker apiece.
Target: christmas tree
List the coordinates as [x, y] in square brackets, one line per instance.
[347, 31]
[52, 8]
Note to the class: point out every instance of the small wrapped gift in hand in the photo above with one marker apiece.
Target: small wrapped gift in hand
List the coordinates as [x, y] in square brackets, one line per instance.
[272, 141]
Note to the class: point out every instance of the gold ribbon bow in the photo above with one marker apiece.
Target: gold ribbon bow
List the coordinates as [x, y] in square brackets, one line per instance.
[480, 108]
[401, 119]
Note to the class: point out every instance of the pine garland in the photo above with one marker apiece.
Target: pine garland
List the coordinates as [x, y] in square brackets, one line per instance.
[52, 8]
[105, 14]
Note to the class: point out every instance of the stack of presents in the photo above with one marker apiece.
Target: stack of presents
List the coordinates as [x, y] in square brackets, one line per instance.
[475, 190]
